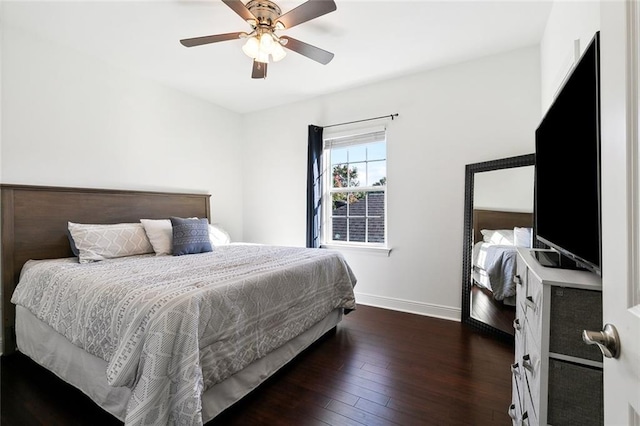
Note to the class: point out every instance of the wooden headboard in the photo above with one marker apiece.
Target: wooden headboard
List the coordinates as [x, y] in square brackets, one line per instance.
[34, 225]
[496, 219]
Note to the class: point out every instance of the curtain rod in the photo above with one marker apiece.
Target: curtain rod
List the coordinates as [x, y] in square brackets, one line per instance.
[360, 121]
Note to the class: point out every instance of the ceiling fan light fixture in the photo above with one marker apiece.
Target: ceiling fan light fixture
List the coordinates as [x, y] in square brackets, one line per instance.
[263, 57]
[252, 47]
[277, 52]
[266, 42]
[261, 46]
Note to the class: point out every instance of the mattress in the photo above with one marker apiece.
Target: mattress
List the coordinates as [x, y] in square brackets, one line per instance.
[170, 328]
[86, 372]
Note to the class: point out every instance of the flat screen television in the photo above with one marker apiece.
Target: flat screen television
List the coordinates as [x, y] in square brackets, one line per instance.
[567, 172]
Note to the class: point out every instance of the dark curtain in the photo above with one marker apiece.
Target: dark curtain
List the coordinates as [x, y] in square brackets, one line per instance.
[314, 186]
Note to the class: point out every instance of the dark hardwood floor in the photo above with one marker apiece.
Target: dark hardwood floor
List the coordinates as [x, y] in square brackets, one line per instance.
[380, 367]
[491, 311]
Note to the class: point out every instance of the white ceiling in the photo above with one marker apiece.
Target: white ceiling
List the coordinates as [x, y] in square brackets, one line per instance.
[372, 41]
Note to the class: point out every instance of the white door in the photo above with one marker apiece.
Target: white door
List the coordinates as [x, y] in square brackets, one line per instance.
[620, 23]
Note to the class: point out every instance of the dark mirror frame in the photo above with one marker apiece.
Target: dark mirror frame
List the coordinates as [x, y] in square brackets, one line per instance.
[470, 171]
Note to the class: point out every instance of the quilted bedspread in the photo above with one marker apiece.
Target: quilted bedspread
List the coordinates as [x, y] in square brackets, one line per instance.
[169, 327]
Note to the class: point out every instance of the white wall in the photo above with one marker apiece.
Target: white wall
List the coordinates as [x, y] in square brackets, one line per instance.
[71, 120]
[467, 113]
[568, 21]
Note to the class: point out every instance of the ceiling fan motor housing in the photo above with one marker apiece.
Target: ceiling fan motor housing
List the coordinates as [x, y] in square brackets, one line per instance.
[266, 12]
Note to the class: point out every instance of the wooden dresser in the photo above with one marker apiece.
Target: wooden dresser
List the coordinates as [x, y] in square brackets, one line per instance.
[557, 378]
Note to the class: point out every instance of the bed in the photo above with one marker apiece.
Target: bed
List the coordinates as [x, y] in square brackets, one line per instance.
[496, 236]
[184, 337]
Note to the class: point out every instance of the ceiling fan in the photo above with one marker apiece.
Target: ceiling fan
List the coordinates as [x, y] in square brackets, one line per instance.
[265, 19]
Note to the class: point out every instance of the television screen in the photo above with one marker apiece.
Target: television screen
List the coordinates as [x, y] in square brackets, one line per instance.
[567, 188]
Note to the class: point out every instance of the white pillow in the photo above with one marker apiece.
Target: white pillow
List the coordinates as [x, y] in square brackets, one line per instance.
[160, 234]
[100, 242]
[498, 236]
[218, 236]
[522, 237]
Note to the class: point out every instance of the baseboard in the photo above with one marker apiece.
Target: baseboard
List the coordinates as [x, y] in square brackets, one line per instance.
[420, 308]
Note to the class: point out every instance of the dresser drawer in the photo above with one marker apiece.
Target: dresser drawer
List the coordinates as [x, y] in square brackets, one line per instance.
[573, 310]
[519, 417]
[520, 281]
[518, 381]
[532, 305]
[529, 410]
[575, 394]
[518, 334]
[520, 313]
[515, 413]
[531, 366]
[517, 396]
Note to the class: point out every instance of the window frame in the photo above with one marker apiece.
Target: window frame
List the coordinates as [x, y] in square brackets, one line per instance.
[350, 139]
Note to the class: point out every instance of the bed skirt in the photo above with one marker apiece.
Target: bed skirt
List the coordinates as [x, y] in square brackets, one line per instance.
[86, 372]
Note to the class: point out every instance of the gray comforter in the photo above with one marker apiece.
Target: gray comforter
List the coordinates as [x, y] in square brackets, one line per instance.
[171, 327]
[501, 267]
[499, 264]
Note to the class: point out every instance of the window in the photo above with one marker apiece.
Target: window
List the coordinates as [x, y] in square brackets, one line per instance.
[354, 202]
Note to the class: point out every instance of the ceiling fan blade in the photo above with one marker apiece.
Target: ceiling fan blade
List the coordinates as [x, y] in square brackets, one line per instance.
[307, 11]
[239, 8]
[197, 41]
[259, 70]
[311, 52]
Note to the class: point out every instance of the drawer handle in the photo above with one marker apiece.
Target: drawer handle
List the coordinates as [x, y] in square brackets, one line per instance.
[515, 369]
[526, 362]
[512, 412]
[530, 303]
[517, 279]
[516, 324]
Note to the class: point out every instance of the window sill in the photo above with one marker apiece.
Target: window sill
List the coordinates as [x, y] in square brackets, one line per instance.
[381, 251]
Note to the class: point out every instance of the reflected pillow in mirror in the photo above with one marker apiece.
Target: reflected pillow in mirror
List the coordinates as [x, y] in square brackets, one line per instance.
[502, 237]
[522, 237]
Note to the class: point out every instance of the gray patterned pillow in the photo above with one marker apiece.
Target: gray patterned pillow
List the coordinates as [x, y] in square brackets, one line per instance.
[190, 236]
[100, 242]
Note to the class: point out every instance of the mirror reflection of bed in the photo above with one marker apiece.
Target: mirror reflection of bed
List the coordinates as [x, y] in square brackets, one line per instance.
[496, 235]
[498, 218]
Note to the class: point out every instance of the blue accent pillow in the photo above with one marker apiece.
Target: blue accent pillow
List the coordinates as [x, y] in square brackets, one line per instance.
[190, 236]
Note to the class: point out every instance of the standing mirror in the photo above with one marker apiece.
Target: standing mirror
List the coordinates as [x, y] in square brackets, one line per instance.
[498, 218]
